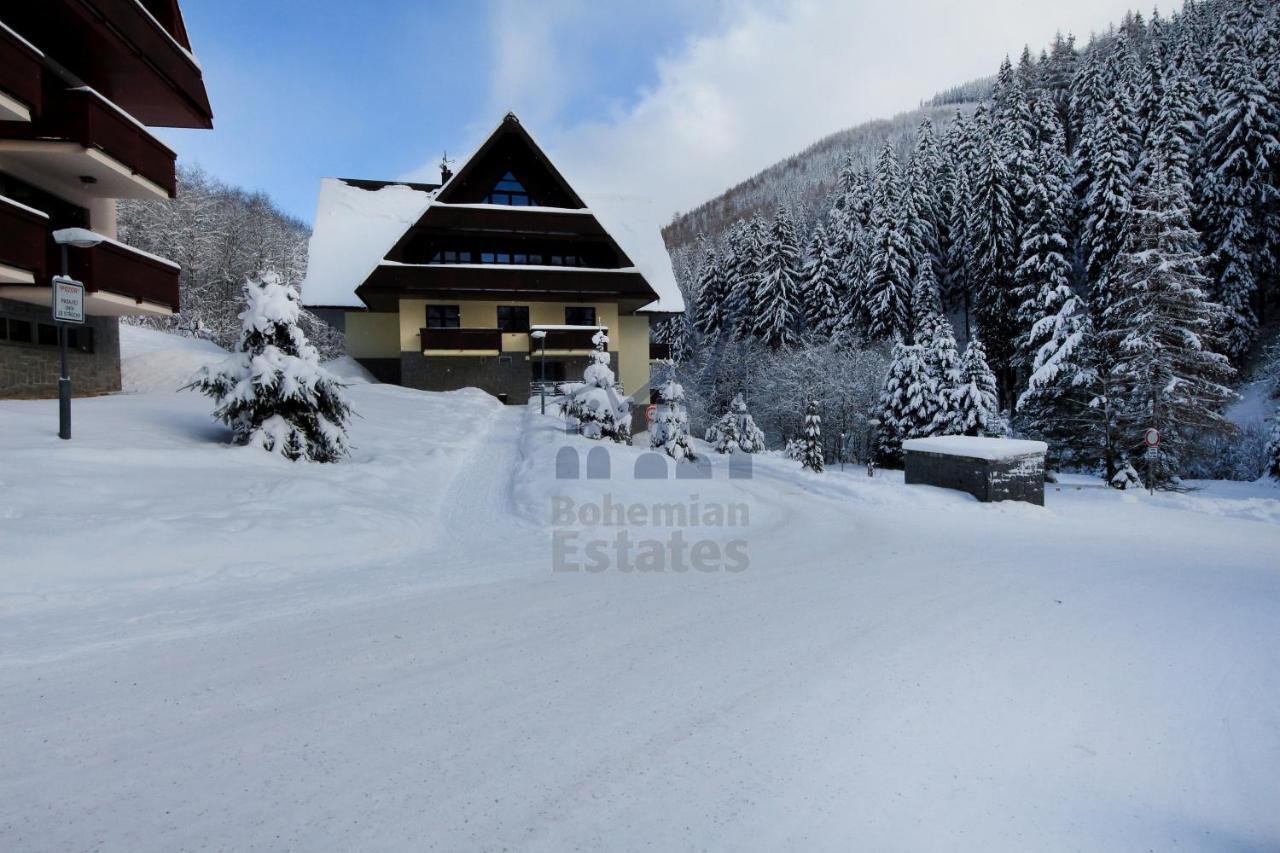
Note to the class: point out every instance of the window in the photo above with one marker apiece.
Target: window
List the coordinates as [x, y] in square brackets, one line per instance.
[576, 316]
[486, 257]
[513, 318]
[80, 338]
[46, 335]
[20, 331]
[510, 191]
[442, 317]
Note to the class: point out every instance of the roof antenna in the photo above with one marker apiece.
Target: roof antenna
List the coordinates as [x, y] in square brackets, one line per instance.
[445, 172]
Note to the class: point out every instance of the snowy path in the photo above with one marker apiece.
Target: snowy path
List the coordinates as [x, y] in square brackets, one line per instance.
[897, 669]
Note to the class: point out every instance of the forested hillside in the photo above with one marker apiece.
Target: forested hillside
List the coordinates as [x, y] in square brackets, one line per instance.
[1090, 251]
[222, 236]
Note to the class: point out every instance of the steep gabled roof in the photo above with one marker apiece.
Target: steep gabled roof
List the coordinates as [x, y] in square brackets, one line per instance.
[359, 223]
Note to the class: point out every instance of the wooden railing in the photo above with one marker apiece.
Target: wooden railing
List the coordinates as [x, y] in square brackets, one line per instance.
[23, 235]
[81, 116]
[461, 339]
[120, 270]
[563, 339]
[20, 71]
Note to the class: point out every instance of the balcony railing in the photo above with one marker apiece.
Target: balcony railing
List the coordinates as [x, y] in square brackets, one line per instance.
[20, 70]
[563, 339]
[23, 234]
[659, 351]
[85, 117]
[461, 339]
[118, 269]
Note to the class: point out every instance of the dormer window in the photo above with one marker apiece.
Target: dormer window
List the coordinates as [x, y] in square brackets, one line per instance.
[510, 191]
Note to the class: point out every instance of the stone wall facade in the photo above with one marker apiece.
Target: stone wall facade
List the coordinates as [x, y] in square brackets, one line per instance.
[30, 370]
[1017, 479]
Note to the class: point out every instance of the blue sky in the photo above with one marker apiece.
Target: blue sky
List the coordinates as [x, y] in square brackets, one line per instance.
[674, 99]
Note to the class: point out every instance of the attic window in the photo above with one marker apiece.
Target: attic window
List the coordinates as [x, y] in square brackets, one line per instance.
[509, 191]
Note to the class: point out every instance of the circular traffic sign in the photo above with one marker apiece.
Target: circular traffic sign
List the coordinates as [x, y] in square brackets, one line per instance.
[1151, 437]
[650, 412]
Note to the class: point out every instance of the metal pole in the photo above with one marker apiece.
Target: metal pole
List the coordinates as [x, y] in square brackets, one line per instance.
[64, 380]
[542, 386]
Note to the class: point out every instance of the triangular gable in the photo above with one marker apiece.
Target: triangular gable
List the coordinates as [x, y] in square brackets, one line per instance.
[510, 150]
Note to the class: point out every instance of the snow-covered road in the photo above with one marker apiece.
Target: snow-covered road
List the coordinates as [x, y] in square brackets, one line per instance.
[378, 656]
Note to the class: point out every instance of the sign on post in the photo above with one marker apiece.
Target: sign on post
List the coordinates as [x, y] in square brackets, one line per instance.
[68, 300]
[1151, 437]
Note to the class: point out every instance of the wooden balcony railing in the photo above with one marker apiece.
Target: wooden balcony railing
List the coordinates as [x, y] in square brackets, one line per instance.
[20, 70]
[84, 117]
[118, 269]
[461, 339]
[23, 235]
[562, 339]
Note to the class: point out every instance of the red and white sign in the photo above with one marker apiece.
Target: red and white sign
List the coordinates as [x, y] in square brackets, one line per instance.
[68, 300]
[1152, 437]
[650, 412]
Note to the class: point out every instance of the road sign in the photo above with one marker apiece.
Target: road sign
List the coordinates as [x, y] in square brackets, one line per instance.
[650, 412]
[68, 300]
[1152, 437]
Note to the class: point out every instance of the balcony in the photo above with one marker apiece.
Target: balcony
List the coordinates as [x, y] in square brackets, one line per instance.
[658, 351]
[20, 74]
[84, 146]
[121, 280]
[565, 338]
[23, 234]
[470, 341]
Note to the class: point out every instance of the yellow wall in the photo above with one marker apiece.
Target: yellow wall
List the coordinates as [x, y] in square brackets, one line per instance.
[371, 335]
[633, 354]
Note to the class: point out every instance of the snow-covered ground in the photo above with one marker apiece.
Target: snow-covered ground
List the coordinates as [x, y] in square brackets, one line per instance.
[204, 647]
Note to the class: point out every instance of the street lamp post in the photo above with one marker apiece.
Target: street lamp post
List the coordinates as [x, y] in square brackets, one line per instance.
[80, 238]
[541, 336]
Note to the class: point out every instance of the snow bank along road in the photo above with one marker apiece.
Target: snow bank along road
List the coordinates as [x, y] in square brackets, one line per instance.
[203, 648]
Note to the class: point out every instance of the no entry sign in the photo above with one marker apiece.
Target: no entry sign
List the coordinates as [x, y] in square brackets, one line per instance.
[1151, 437]
[68, 300]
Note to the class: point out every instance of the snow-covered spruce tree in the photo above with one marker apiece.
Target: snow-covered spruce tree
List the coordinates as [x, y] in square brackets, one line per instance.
[670, 433]
[272, 391]
[993, 242]
[1162, 330]
[976, 408]
[821, 303]
[812, 457]
[594, 406]
[922, 204]
[747, 267]
[1242, 156]
[736, 430]
[888, 282]
[739, 267]
[1114, 140]
[777, 299]
[942, 361]
[713, 293]
[1273, 446]
[1043, 278]
[908, 402]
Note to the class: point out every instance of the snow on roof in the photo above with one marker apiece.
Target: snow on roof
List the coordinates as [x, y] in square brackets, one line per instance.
[974, 447]
[354, 230]
[353, 233]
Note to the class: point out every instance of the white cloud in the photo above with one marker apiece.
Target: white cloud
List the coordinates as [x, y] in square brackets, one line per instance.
[772, 82]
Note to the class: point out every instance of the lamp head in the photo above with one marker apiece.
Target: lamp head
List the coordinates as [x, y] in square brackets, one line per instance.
[81, 238]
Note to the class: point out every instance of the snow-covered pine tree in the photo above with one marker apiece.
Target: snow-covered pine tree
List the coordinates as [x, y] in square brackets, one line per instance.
[778, 285]
[1042, 279]
[821, 302]
[942, 362]
[908, 402]
[272, 391]
[975, 404]
[594, 406]
[888, 284]
[1162, 329]
[740, 267]
[1242, 155]
[1273, 446]
[993, 253]
[813, 456]
[713, 293]
[670, 432]
[1115, 145]
[926, 300]
[925, 219]
[736, 430]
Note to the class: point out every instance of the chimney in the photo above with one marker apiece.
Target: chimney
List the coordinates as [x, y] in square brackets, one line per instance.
[445, 172]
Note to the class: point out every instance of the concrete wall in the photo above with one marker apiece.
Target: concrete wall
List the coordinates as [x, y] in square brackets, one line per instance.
[31, 370]
[372, 335]
[1019, 479]
[634, 356]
